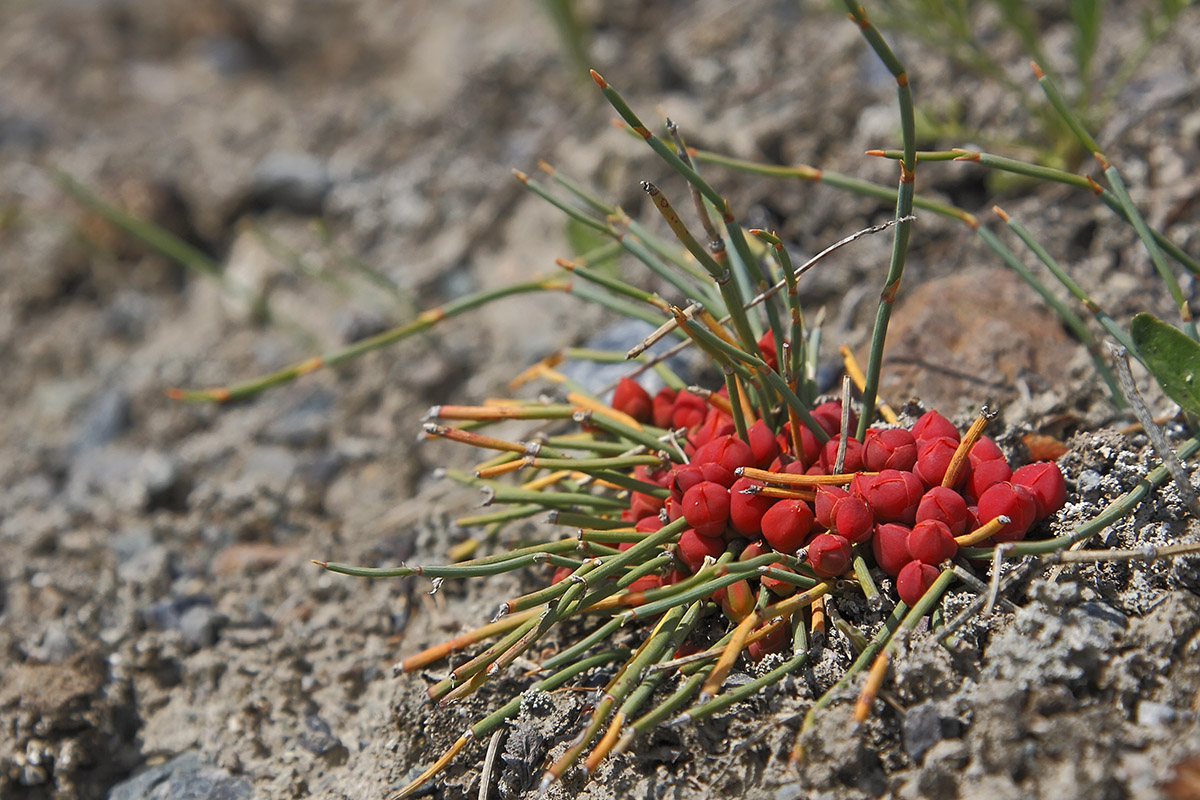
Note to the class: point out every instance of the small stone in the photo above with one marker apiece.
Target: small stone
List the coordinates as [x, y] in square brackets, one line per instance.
[1151, 714]
[106, 417]
[297, 182]
[922, 729]
[200, 625]
[184, 777]
[318, 739]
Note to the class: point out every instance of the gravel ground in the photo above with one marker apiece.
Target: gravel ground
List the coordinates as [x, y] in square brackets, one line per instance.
[162, 630]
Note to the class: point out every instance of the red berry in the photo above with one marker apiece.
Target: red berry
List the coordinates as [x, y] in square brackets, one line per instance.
[829, 417]
[728, 451]
[770, 643]
[985, 473]
[648, 524]
[629, 397]
[914, 581]
[766, 346]
[736, 600]
[663, 406]
[786, 525]
[1010, 500]
[852, 518]
[932, 425]
[561, 574]
[890, 546]
[891, 448]
[944, 505]
[984, 450]
[746, 510]
[853, 459]
[893, 496]
[827, 496]
[810, 447]
[706, 508]
[931, 541]
[688, 410]
[715, 425]
[829, 554]
[860, 484]
[776, 586]
[693, 548]
[1045, 482]
[762, 443]
[933, 457]
[645, 583]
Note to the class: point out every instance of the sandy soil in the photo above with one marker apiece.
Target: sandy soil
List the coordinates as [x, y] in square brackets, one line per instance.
[158, 610]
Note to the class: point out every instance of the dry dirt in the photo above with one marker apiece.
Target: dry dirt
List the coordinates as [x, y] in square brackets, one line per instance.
[162, 630]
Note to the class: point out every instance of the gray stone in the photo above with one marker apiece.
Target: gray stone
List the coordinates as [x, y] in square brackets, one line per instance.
[184, 777]
[106, 417]
[1151, 714]
[200, 625]
[318, 739]
[295, 181]
[922, 729]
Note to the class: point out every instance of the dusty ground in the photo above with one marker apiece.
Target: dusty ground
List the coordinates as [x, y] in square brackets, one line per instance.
[157, 605]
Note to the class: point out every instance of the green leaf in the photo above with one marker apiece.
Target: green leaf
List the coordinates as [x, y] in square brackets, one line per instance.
[1172, 357]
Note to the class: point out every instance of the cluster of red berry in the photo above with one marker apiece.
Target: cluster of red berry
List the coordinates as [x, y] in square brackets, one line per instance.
[898, 499]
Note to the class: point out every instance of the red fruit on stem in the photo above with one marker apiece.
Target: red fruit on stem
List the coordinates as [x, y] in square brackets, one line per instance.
[766, 346]
[746, 510]
[853, 459]
[933, 457]
[823, 505]
[1045, 482]
[932, 542]
[777, 587]
[809, 446]
[944, 505]
[914, 581]
[986, 473]
[715, 425]
[648, 524]
[688, 411]
[644, 505]
[645, 583]
[931, 425]
[736, 600]
[891, 448]
[985, 449]
[663, 406]
[630, 398]
[771, 643]
[829, 555]
[693, 548]
[890, 546]
[561, 574]
[706, 508]
[893, 496]
[762, 444]
[786, 525]
[728, 451]
[829, 417]
[1010, 500]
[860, 484]
[852, 518]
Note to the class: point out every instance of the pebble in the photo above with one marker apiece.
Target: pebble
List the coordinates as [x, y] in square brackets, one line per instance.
[297, 182]
[184, 777]
[305, 422]
[106, 417]
[318, 739]
[922, 729]
[1151, 714]
[200, 625]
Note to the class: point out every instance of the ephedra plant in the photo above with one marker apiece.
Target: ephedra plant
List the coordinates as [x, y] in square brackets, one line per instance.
[723, 524]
